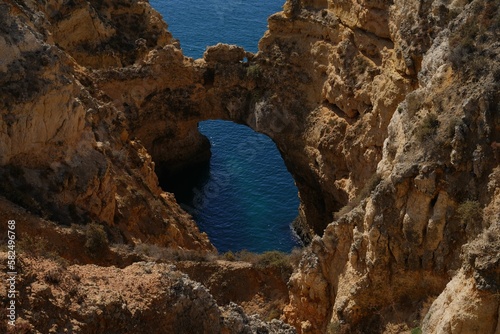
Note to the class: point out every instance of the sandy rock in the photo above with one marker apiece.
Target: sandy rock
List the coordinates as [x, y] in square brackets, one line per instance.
[145, 297]
[385, 114]
[224, 53]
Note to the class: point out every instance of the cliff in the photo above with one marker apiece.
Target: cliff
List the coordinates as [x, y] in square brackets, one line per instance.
[145, 297]
[81, 186]
[386, 114]
[66, 154]
[404, 133]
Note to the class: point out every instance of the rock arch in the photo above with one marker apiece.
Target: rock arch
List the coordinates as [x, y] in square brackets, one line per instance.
[165, 98]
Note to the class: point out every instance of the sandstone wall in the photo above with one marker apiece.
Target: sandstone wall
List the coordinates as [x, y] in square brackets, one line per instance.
[428, 132]
[65, 151]
[386, 114]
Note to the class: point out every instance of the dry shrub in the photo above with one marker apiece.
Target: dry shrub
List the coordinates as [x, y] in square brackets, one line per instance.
[38, 246]
[164, 254]
[96, 242]
[427, 128]
[470, 212]
[53, 276]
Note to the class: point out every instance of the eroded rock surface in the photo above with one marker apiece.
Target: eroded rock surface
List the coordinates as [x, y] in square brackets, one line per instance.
[395, 248]
[386, 114]
[65, 150]
[145, 297]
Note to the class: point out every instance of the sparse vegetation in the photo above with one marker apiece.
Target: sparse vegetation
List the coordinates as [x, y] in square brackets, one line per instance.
[470, 215]
[333, 328]
[428, 128]
[272, 259]
[453, 122]
[33, 246]
[254, 71]
[274, 313]
[164, 254]
[468, 43]
[416, 330]
[281, 261]
[229, 256]
[96, 240]
[53, 276]
[469, 212]
[37, 246]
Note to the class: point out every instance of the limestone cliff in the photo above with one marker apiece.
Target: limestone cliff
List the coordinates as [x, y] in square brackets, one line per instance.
[79, 182]
[145, 297]
[65, 152]
[410, 93]
[386, 114]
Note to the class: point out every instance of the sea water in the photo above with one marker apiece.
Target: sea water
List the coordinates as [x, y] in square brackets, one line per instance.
[245, 198]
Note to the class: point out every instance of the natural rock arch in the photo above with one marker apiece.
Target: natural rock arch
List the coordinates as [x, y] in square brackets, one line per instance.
[165, 99]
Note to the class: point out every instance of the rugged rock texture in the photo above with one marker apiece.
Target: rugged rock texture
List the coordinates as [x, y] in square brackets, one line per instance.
[386, 114]
[470, 302]
[80, 97]
[142, 298]
[398, 244]
[65, 152]
[260, 291]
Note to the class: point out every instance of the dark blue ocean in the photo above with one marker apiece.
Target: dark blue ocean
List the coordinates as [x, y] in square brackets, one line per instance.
[245, 199]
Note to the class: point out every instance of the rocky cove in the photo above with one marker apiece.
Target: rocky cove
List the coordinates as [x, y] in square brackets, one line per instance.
[386, 114]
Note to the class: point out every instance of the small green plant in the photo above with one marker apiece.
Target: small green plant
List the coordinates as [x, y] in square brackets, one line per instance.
[247, 256]
[33, 246]
[276, 260]
[470, 212]
[96, 242]
[254, 71]
[369, 186]
[274, 313]
[428, 128]
[150, 250]
[229, 256]
[333, 328]
[416, 330]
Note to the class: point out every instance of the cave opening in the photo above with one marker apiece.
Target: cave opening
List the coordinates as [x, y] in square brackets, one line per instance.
[244, 198]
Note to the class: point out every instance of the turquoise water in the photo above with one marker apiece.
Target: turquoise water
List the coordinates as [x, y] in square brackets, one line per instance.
[245, 198]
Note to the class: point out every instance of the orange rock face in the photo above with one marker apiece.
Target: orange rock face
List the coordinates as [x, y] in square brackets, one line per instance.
[385, 114]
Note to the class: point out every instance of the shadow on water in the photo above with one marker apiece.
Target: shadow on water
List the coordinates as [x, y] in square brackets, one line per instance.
[183, 183]
[244, 197]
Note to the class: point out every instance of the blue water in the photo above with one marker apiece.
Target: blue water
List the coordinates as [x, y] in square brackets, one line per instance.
[246, 199]
[200, 23]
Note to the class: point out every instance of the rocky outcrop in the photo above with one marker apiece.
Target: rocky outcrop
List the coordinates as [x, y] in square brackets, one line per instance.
[470, 301]
[145, 297]
[65, 150]
[260, 291]
[398, 244]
